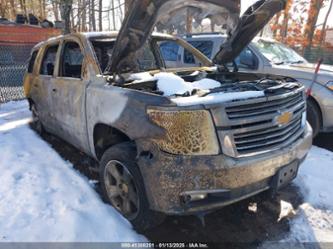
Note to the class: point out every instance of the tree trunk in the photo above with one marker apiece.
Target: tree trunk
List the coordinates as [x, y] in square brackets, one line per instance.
[55, 8]
[100, 15]
[121, 14]
[3, 8]
[276, 24]
[92, 15]
[323, 31]
[189, 20]
[127, 5]
[12, 9]
[84, 16]
[113, 15]
[23, 7]
[313, 13]
[286, 17]
[65, 10]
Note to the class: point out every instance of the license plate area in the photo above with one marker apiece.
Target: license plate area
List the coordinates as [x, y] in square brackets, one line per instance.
[285, 175]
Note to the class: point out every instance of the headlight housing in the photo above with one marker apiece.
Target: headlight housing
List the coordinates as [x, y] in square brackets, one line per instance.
[329, 85]
[186, 132]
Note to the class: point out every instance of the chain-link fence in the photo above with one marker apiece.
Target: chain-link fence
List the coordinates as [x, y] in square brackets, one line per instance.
[317, 53]
[13, 63]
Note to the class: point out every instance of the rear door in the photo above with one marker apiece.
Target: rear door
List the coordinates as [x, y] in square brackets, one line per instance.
[41, 87]
[68, 94]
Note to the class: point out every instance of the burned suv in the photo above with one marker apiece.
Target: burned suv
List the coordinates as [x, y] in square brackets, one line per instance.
[170, 140]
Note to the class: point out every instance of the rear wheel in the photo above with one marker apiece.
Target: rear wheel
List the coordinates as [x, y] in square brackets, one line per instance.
[313, 114]
[122, 186]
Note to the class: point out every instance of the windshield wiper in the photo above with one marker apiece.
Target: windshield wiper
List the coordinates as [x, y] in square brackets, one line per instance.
[297, 62]
[279, 63]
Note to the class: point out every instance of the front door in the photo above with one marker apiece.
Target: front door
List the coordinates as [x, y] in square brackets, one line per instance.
[69, 91]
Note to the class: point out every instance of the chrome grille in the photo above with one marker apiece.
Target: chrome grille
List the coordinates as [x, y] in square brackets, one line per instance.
[252, 126]
[269, 107]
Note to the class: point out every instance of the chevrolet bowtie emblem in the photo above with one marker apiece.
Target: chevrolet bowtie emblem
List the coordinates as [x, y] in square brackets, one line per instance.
[283, 118]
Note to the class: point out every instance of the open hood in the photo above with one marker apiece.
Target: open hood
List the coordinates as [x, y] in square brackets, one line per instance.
[145, 14]
[250, 24]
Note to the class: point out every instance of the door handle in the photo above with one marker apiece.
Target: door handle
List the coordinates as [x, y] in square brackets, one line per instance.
[54, 90]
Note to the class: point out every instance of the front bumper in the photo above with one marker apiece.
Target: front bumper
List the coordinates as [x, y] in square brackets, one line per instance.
[170, 180]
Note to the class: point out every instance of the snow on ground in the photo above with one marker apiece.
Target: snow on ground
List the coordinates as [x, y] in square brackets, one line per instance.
[42, 198]
[314, 218]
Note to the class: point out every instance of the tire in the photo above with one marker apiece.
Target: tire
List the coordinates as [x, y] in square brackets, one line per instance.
[36, 123]
[313, 116]
[123, 188]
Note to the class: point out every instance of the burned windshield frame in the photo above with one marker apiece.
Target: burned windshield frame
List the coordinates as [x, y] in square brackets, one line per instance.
[103, 56]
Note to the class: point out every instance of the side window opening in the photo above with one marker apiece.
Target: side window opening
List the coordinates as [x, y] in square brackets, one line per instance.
[169, 50]
[49, 59]
[32, 61]
[205, 47]
[247, 59]
[71, 61]
[103, 50]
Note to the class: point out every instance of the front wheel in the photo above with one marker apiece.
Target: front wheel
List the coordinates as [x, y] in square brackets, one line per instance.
[313, 114]
[122, 186]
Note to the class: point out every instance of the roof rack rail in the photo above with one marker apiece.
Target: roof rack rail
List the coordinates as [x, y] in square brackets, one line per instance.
[204, 33]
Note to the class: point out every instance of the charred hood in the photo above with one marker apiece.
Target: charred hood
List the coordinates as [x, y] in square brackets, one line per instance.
[144, 14]
[142, 17]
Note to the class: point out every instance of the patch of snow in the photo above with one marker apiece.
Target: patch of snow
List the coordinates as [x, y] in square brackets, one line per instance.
[314, 219]
[217, 98]
[315, 177]
[144, 76]
[171, 84]
[42, 198]
[206, 84]
[287, 210]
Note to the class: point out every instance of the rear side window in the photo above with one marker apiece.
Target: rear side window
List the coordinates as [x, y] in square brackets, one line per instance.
[49, 60]
[32, 61]
[71, 62]
[169, 50]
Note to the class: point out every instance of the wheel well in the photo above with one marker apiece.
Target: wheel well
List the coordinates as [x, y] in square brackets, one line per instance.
[313, 101]
[31, 102]
[106, 136]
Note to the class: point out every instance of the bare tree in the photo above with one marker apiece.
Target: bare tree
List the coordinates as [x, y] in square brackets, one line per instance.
[100, 12]
[55, 8]
[323, 31]
[92, 17]
[313, 13]
[189, 20]
[286, 17]
[65, 10]
[127, 5]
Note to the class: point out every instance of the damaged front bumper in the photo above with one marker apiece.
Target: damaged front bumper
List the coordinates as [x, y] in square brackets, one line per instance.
[190, 184]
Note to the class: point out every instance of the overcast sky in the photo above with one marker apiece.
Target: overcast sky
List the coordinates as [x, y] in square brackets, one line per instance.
[246, 3]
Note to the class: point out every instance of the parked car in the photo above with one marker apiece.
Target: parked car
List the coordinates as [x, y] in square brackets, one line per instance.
[271, 57]
[163, 149]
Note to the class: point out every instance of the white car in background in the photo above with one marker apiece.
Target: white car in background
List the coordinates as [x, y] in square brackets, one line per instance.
[271, 57]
